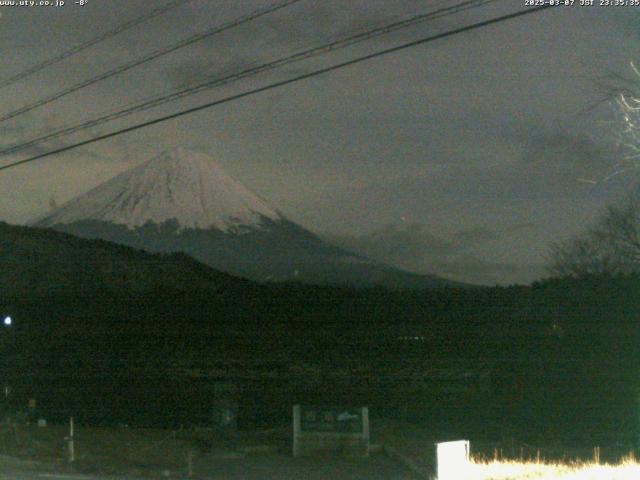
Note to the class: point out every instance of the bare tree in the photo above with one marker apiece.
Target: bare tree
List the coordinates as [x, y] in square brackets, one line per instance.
[620, 229]
[611, 246]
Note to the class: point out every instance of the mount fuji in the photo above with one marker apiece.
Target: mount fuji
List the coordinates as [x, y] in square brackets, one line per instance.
[184, 201]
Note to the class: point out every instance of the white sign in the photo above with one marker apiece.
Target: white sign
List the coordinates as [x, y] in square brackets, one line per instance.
[453, 460]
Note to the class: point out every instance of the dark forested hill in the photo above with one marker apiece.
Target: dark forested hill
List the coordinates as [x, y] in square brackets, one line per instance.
[96, 324]
[40, 262]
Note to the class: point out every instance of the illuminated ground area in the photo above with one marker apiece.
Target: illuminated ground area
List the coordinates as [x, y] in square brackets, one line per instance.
[507, 470]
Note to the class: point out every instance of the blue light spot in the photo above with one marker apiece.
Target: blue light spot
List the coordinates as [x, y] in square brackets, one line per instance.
[8, 321]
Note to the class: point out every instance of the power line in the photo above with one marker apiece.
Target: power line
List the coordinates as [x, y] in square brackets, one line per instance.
[306, 54]
[147, 58]
[282, 83]
[90, 43]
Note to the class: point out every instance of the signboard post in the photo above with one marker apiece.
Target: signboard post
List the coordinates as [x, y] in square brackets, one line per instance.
[330, 429]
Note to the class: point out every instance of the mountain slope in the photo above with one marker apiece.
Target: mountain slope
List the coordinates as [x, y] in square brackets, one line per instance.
[182, 201]
[38, 262]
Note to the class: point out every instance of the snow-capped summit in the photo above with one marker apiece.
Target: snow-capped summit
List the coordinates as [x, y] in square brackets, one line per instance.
[183, 201]
[178, 185]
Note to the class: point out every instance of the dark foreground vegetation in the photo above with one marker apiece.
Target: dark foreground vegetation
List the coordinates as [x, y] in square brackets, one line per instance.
[125, 337]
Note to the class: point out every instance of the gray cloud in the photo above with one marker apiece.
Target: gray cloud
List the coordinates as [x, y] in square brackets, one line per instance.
[474, 236]
[296, 31]
[196, 72]
[413, 247]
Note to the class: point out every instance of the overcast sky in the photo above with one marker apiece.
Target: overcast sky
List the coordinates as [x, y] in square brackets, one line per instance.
[487, 145]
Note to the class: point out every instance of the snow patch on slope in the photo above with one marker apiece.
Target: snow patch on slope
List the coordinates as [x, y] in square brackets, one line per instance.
[181, 185]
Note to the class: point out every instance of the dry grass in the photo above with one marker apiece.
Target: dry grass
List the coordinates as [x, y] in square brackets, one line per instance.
[513, 470]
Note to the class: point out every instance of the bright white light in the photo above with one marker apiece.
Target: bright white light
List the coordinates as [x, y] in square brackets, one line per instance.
[8, 321]
[453, 460]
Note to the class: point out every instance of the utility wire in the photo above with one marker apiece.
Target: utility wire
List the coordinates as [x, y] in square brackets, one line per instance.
[282, 83]
[306, 54]
[90, 43]
[147, 58]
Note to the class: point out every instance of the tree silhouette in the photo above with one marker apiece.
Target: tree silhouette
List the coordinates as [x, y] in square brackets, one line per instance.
[611, 246]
